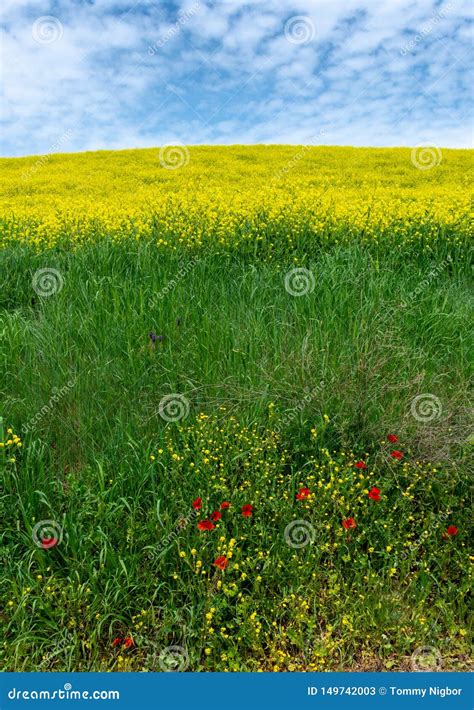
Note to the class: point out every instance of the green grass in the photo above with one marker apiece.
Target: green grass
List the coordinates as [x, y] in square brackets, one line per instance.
[376, 331]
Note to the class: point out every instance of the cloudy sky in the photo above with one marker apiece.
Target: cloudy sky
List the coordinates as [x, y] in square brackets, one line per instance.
[92, 74]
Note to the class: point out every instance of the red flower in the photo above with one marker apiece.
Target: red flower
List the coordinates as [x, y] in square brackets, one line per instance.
[360, 464]
[452, 530]
[197, 503]
[117, 641]
[205, 525]
[225, 505]
[128, 643]
[374, 493]
[349, 523]
[396, 454]
[392, 438]
[48, 542]
[303, 493]
[247, 510]
[221, 562]
[216, 515]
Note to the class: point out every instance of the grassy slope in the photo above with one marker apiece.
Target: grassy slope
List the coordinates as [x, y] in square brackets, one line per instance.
[234, 337]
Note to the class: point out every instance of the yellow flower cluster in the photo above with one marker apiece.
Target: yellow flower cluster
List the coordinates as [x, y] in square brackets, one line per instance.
[232, 197]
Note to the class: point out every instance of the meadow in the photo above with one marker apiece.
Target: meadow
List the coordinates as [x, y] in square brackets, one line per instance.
[236, 409]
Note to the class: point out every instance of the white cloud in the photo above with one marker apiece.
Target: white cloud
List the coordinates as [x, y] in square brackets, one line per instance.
[382, 72]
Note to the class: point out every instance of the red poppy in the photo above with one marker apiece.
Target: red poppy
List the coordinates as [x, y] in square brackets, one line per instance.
[225, 505]
[247, 510]
[128, 643]
[360, 464]
[221, 562]
[303, 493]
[197, 503]
[48, 542]
[374, 493]
[216, 515]
[117, 641]
[396, 454]
[349, 523]
[392, 438]
[205, 525]
[452, 530]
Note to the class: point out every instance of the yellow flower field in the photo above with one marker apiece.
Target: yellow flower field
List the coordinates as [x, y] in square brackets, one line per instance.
[230, 197]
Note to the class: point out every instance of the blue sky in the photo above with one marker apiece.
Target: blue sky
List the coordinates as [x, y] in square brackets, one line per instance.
[105, 74]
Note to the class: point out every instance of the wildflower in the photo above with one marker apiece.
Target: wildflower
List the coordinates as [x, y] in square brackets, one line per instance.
[117, 641]
[392, 438]
[360, 464]
[216, 515]
[221, 562]
[152, 336]
[396, 454]
[349, 523]
[374, 493]
[452, 530]
[225, 505]
[303, 493]
[247, 510]
[205, 525]
[197, 503]
[48, 542]
[128, 643]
